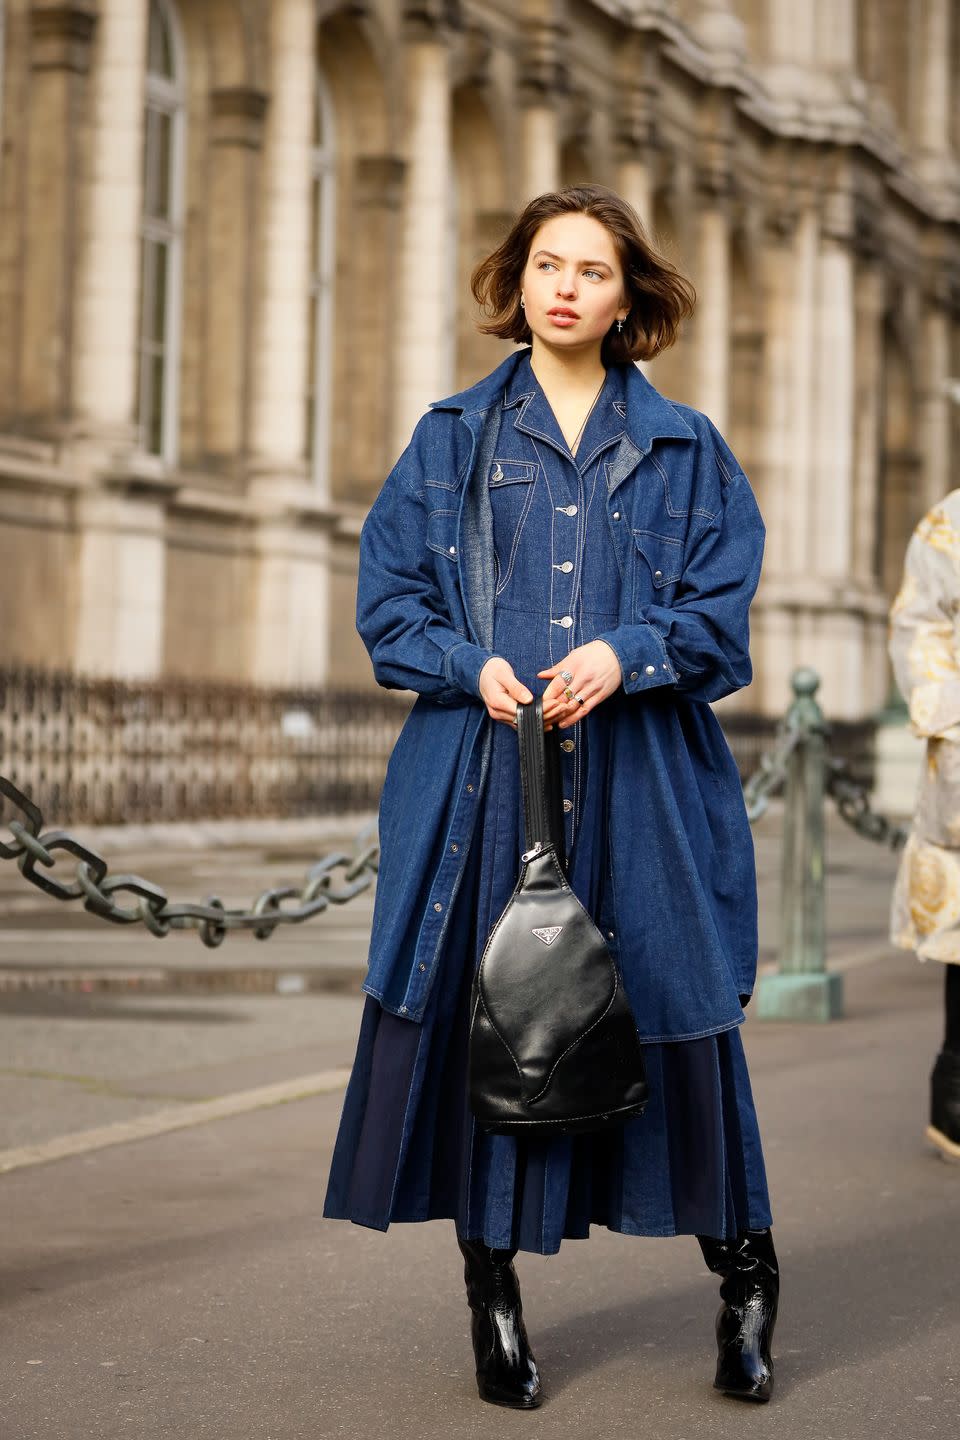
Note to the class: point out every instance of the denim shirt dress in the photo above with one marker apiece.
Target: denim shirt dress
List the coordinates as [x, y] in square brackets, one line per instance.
[408, 1148]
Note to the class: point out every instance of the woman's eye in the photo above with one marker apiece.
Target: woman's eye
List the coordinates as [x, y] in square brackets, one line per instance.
[595, 273]
[545, 265]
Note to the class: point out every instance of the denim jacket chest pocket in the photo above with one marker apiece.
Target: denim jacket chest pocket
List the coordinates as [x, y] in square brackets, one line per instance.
[511, 485]
[657, 565]
[442, 532]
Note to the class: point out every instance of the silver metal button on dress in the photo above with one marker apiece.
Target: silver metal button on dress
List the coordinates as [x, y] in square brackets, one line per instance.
[633, 674]
[567, 509]
[616, 514]
[565, 620]
[566, 567]
[650, 670]
[658, 574]
[566, 745]
[568, 805]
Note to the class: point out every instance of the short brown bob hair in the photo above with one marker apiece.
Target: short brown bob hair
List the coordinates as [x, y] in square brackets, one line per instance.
[658, 295]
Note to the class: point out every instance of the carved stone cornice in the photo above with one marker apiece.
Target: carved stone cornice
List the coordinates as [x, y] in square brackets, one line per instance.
[543, 73]
[431, 19]
[473, 53]
[61, 36]
[237, 114]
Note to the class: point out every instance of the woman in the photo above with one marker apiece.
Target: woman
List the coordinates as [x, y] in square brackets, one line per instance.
[925, 914]
[560, 527]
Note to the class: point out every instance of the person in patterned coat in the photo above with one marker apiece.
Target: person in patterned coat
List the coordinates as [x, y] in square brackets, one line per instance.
[925, 910]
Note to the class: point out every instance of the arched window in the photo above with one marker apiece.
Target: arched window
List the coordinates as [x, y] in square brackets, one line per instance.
[322, 262]
[161, 235]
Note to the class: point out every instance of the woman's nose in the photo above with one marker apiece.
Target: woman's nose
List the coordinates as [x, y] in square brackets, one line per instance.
[566, 285]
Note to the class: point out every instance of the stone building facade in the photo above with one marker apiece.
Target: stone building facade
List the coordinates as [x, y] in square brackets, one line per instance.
[235, 241]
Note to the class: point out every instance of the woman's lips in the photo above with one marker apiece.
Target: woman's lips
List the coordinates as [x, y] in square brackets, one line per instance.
[563, 318]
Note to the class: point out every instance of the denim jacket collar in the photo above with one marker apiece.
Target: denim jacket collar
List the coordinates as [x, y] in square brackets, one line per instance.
[649, 416]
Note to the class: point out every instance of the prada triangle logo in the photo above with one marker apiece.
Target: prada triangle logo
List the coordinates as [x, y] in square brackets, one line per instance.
[547, 933]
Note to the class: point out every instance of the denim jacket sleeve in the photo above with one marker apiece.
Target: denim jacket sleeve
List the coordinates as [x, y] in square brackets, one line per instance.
[700, 643]
[402, 615]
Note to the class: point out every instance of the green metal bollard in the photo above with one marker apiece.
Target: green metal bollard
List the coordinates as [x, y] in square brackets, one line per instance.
[803, 989]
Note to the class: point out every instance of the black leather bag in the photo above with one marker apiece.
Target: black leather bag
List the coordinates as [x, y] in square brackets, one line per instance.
[553, 1042]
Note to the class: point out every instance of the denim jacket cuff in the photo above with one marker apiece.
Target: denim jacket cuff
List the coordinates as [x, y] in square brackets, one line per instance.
[644, 663]
[462, 665]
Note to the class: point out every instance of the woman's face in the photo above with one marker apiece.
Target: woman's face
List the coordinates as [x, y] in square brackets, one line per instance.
[572, 283]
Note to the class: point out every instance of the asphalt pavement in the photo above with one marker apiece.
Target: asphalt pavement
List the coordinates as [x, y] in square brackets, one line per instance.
[172, 1275]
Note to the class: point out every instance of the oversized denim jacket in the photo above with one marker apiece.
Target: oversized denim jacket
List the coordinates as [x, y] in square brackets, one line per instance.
[688, 539]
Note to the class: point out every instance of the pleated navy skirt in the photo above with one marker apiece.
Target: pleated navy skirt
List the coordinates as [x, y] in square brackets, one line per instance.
[408, 1148]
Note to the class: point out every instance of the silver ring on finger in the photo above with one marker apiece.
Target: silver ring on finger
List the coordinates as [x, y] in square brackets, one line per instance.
[579, 699]
[566, 676]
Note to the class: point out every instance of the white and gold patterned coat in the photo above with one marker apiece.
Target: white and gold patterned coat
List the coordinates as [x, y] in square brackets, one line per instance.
[925, 650]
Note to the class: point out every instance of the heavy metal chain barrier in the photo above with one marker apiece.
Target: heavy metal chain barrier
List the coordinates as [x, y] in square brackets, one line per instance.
[332, 880]
[853, 803]
[851, 798]
[798, 763]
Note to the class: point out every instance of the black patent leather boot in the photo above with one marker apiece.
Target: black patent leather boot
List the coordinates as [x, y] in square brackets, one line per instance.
[944, 1127]
[506, 1370]
[750, 1293]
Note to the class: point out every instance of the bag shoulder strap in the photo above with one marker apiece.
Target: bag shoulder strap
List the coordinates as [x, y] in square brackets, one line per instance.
[540, 780]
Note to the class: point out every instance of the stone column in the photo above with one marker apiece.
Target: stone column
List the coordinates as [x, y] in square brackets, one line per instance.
[120, 519]
[789, 260]
[832, 470]
[935, 403]
[61, 48]
[236, 135]
[836, 32]
[791, 32]
[935, 91]
[290, 620]
[425, 292]
[280, 353]
[636, 122]
[540, 78]
[712, 318]
[108, 282]
[869, 289]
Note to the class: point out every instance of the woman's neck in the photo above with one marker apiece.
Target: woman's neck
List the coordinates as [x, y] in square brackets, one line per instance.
[566, 371]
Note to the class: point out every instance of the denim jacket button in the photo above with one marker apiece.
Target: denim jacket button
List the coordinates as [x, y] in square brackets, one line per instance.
[651, 670]
[568, 805]
[453, 549]
[437, 905]
[565, 620]
[616, 515]
[566, 745]
[633, 674]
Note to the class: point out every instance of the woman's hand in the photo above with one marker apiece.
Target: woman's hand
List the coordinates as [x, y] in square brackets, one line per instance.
[500, 690]
[596, 674]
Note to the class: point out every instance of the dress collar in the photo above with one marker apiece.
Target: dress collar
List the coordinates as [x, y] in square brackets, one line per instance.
[647, 414]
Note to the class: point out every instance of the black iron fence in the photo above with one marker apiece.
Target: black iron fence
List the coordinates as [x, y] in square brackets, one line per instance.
[108, 752]
[93, 751]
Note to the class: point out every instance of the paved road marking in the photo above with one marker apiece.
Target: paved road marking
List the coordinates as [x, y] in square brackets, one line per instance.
[161, 1122]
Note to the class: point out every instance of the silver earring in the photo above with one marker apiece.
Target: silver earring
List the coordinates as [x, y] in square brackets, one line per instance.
[619, 326]
[523, 303]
